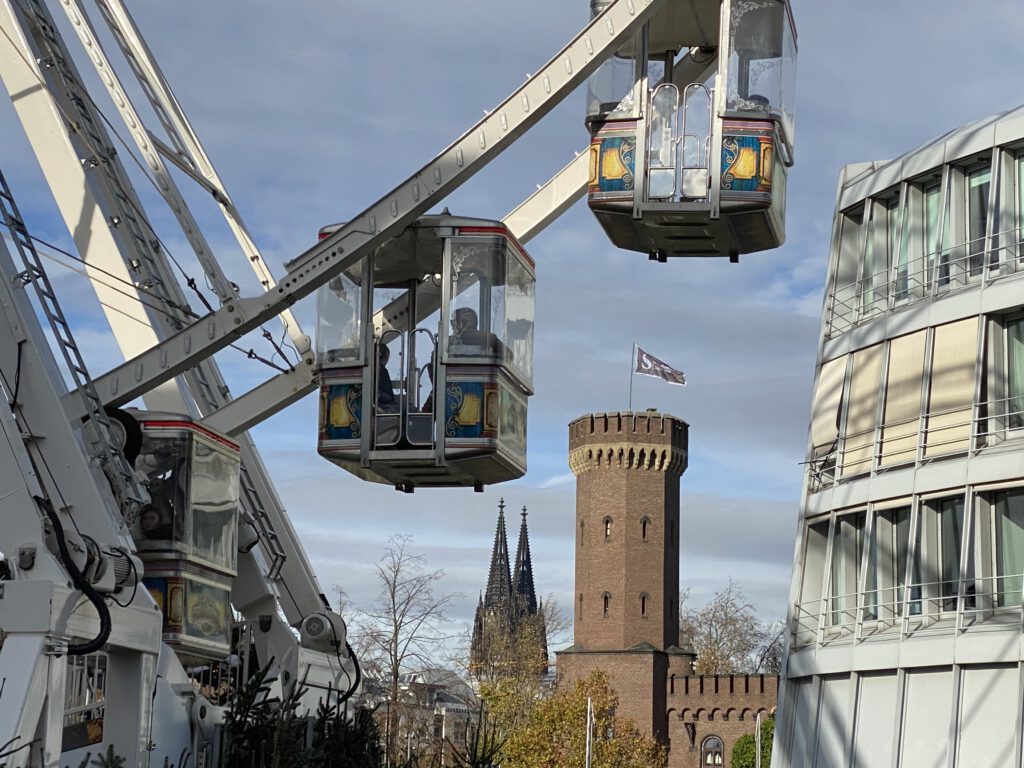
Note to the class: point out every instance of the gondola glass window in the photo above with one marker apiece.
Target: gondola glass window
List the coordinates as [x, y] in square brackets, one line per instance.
[339, 310]
[762, 63]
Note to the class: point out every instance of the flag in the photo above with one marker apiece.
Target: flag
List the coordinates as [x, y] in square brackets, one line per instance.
[648, 365]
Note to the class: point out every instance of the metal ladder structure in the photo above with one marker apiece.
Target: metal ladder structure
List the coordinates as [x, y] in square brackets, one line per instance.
[153, 275]
[104, 444]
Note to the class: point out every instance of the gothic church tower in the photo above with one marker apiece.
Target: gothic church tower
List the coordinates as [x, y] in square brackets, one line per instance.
[509, 602]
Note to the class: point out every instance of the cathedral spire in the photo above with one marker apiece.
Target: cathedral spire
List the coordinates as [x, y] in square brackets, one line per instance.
[499, 579]
[524, 571]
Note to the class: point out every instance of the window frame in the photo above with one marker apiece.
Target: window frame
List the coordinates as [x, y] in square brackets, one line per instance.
[709, 751]
[885, 570]
[975, 261]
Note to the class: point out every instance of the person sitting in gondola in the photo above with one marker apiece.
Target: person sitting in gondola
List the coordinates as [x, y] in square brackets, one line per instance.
[386, 401]
[467, 338]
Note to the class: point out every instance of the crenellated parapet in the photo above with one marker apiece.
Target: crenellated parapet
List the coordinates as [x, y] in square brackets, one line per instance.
[644, 441]
[718, 699]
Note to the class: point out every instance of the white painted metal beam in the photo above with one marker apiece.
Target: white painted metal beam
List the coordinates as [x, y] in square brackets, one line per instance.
[396, 210]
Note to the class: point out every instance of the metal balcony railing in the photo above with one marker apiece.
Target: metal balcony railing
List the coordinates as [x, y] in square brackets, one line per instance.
[911, 442]
[923, 278]
[951, 605]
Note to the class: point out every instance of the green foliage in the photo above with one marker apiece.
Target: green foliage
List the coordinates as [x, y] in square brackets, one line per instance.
[108, 759]
[266, 732]
[744, 751]
[342, 742]
[552, 734]
[263, 731]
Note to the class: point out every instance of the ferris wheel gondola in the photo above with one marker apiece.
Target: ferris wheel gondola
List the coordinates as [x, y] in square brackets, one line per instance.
[425, 357]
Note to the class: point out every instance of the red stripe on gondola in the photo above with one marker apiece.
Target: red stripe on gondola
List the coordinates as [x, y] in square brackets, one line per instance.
[193, 426]
[503, 231]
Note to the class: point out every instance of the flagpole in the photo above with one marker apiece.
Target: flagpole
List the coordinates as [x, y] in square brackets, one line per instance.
[590, 721]
[632, 367]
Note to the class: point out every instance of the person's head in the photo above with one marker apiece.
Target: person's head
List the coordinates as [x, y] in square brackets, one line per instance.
[383, 354]
[465, 320]
[149, 520]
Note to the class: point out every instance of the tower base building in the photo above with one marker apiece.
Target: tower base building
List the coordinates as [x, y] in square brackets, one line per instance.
[626, 602]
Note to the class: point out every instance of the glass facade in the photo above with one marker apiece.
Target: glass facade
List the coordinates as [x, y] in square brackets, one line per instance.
[919, 521]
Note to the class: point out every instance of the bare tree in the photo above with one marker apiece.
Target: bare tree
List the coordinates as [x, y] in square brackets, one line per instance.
[727, 636]
[769, 656]
[403, 630]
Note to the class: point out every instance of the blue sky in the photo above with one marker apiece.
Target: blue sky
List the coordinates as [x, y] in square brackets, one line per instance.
[311, 110]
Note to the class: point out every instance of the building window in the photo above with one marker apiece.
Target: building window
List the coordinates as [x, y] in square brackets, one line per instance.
[1008, 519]
[979, 182]
[845, 299]
[1015, 373]
[887, 564]
[858, 440]
[1002, 398]
[809, 609]
[901, 414]
[606, 600]
[847, 544]
[951, 389]
[879, 246]
[936, 574]
[828, 398]
[643, 604]
[1020, 207]
[581, 606]
[644, 525]
[932, 245]
[581, 533]
[712, 751]
[607, 528]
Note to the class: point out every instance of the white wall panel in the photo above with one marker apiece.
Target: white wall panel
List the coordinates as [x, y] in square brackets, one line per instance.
[833, 723]
[926, 711]
[876, 702]
[988, 716]
[802, 706]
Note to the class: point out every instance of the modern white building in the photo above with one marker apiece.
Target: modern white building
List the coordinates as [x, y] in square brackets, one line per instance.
[906, 605]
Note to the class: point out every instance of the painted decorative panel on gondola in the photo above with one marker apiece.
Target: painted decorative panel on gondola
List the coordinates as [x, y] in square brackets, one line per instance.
[613, 162]
[471, 410]
[341, 407]
[748, 157]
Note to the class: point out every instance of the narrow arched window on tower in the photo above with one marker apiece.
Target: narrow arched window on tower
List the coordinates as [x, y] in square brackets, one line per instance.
[606, 600]
[644, 524]
[643, 604]
[581, 606]
[581, 533]
[607, 528]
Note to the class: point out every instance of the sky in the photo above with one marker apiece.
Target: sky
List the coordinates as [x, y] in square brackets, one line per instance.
[311, 110]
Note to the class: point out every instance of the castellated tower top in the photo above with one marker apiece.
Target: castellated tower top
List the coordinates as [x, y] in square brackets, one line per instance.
[645, 441]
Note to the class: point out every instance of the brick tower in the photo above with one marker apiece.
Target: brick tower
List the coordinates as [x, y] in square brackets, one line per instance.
[626, 611]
